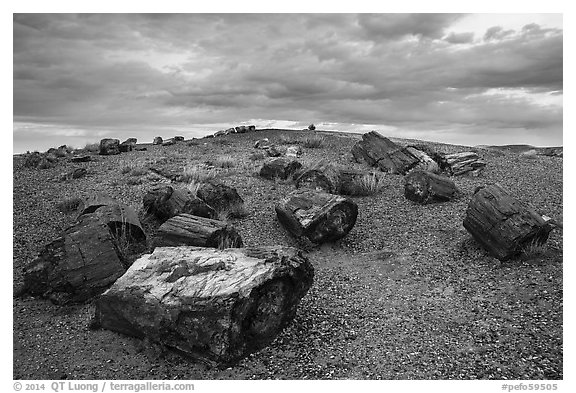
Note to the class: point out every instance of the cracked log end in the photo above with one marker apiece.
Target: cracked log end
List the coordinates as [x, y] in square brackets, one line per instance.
[213, 305]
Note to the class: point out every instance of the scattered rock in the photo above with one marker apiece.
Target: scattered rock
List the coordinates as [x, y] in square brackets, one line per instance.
[157, 140]
[273, 151]
[262, 144]
[293, 151]
[213, 305]
[178, 139]
[74, 174]
[168, 142]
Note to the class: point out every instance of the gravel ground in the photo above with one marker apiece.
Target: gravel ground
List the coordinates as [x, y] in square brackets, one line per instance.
[406, 295]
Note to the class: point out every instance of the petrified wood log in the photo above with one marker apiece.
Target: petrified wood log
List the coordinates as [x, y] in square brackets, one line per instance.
[95, 201]
[502, 224]
[109, 146]
[166, 202]
[219, 196]
[157, 140]
[426, 163]
[282, 168]
[214, 305]
[178, 138]
[376, 150]
[81, 263]
[323, 176]
[466, 162]
[426, 187]
[319, 216]
[189, 230]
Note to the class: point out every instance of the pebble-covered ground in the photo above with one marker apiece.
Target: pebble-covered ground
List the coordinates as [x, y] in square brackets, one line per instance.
[407, 294]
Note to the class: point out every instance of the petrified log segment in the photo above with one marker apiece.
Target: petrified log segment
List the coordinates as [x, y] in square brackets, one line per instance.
[319, 216]
[426, 187]
[502, 224]
[166, 202]
[83, 158]
[95, 201]
[282, 168]
[122, 221]
[426, 163]
[189, 230]
[214, 305]
[168, 142]
[81, 263]
[323, 176]
[109, 146]
[178, 138]
[219, 196]
[466, 162]
[376, 150]
[157, 140]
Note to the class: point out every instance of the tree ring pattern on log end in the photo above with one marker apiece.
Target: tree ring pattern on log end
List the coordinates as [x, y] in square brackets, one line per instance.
[337, 223]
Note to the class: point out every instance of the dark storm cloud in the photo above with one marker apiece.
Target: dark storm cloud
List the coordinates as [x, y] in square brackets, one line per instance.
[403, 70]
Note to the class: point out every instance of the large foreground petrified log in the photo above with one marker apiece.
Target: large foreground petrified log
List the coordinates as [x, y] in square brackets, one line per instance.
[79, 264]
[502, 224]
[319, 216]
[426, 187]
[282, 168]
[465, 163]
[214, 305]
[189, 230]
[166, 202]
[376, 150]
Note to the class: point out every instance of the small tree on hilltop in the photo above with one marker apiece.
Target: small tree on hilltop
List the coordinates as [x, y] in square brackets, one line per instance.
[311, 127]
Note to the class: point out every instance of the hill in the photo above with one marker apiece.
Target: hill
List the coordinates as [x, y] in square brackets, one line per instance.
[407, 294]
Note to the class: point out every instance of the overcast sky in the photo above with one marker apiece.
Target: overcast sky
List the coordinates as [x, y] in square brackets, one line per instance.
[468, 79]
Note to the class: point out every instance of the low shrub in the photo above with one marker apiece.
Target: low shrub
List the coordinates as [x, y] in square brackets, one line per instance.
[369, 184]
[313, 142]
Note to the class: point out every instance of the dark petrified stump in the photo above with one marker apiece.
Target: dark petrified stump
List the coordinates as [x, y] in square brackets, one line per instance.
[319, 216]
[502, 224]
[426, 187]
[282, 168]
[219, 196]
[214, 305]
[189, 230]
[109, 146]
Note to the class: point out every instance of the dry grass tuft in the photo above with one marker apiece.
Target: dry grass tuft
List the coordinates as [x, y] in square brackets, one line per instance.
[369, 184]
[313, 142]
[198, 174]
[224, 162]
